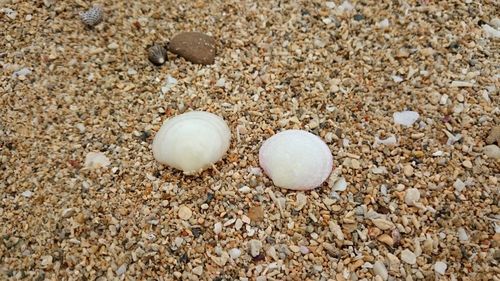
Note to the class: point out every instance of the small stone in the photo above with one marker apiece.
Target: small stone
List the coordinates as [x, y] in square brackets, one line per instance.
[408, 256]
[408, 170]
[220, 83]
[113, 46]
[467, 164]
[131, 72]
[462, 235]
[301, 201]
[121, 270]
[340, 184]
[217, 228]
[492, 151]
[386, 239]
[380, 270]
[95, 160]
[459, 185]
[256, 213]
[304, 250]
[405, 118]
[359, 17]
[440, 267]
[245, 189]
[68, 212]
[27, 194]
[383, 223]
[184, 212]
[46, 261]
[383, 24]
[412, 195]
[254, 247]
[355, 164]
[494, 135]
[195, 47]
[234, 253]
[198, 270]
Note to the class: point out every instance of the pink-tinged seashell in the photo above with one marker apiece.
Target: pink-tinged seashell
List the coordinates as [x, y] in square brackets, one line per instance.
[296, 159]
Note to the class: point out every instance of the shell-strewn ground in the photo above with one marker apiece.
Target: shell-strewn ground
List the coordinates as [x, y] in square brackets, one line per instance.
[320, 66]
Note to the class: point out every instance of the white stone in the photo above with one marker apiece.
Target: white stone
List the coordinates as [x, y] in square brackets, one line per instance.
[234, 253]
[254, 247]
[217, 228]
[408, 256]
[198, 270]
[380, 270]
[459, 185]
[397, 78]
[492, 151]
[121, 270]
[113, 46]
[169, 84]
[383, 24]
[95, 160]
[21, 72]
[462, 235]
[440, 267]
[405, 118]
[184, 212]
[412, 195]
[27, 194]
[346, 6]
[244, 189]
[490, 31]
[330, 4]
[301, 201]
[340, 184]
[388, 141]
[131, 71]
[220, 83]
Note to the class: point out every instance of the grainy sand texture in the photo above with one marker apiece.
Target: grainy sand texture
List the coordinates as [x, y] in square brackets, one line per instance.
[82, 198]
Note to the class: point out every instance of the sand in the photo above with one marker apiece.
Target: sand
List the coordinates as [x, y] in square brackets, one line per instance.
[337, 70]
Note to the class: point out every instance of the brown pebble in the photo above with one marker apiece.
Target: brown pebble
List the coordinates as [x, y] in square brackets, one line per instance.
[494, 136]
[195, 47]
[256, 213]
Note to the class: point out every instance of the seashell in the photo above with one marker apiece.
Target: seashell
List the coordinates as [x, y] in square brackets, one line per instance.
[296, 159]
[192, 141]
[157, 54]
[93, 16]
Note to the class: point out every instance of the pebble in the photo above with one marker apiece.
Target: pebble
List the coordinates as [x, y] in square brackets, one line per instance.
[254, 246]
[195, 47]
[492, 151]
[440, 267]
[408, 170]
[408, 256]
[340, 184]
[198, 270]
[68, 212]
[494, 135]
[256, 213]
[405, 118]
[121, 270]
[380, 270]
[234, 253]
[386, 239]
[27, 194]
[467, 164]
[301, 201]
[412, 195]
[459, 185]
[184, 212]
[462, 235]
[113, 46]
[131, 72]
[383, 23]
[383, 223]
[95, 160]
[220, 83]
[46, 261]
[217, 228]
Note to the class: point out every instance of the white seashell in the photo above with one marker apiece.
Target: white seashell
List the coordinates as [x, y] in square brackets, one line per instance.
[192, 141]
[296, 160]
